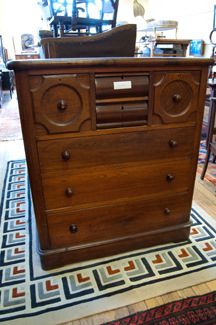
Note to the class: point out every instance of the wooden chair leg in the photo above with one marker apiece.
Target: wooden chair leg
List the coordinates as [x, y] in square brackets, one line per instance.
[206, 163]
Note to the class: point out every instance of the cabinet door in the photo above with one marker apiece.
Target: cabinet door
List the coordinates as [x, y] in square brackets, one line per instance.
[176, 97]
[61, 102]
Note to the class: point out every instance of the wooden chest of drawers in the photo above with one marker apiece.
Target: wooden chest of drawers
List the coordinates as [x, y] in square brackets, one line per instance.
[111, 148]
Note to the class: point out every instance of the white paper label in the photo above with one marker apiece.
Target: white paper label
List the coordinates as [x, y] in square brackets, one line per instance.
[122, 85]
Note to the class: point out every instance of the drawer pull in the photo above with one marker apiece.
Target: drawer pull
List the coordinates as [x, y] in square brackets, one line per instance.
[167, 211]
[173, 143]
[62, 105]
[177, 98]
[170, 177]
[66, 155]
[69, 192]
[73, 229]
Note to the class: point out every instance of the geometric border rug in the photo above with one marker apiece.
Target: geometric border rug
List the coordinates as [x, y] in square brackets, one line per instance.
[30, 294]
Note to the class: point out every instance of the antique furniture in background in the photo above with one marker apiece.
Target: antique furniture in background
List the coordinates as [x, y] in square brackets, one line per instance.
[169, 47]
[27, 56]
[117, 42]
[7, 81]
[112, 147]
[79, 15]
[210, 143]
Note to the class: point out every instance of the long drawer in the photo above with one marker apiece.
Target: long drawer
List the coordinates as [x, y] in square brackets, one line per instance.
[116, 183]
[119, 220]
[121, 114]
[108, 86]
[65, 154]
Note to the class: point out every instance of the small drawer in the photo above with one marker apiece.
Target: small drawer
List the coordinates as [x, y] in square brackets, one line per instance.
[61, 102]
[67, 154]
[117, 182]
[117, 220]
[121, 86]
[175, 97]
[121, 114]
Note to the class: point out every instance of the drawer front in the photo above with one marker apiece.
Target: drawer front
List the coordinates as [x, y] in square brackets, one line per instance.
[121, 114]
[56, 155]
[176, 96]
[121, 86]
[116, 183]
[61, 103]
[118, 220]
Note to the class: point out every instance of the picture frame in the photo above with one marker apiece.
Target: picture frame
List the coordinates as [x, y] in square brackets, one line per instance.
[196, 47]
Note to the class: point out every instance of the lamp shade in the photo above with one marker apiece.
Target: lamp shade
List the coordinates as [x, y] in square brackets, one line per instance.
[138, 9]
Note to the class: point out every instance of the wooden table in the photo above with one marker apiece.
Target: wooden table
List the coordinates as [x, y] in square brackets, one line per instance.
[183, 43]
[27, 56]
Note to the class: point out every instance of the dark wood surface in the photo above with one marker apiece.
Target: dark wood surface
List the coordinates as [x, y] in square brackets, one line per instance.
[85, 180]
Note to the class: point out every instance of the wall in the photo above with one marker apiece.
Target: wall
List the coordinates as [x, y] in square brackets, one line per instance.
[18, 17]
[195, 19]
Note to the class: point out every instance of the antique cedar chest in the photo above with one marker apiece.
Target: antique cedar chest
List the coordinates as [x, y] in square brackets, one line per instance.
[111, 147]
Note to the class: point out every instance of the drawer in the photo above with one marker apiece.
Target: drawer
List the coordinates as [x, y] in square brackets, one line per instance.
[119, 220]
[65, 154]
[121, 114]
[61, 102]
[116, 183]
[121, 86]
[176, 96]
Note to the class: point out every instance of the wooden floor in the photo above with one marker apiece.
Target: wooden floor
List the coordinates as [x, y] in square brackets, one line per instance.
[204, 196]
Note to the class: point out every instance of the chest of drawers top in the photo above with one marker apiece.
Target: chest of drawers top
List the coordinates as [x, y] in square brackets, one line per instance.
[94, 94]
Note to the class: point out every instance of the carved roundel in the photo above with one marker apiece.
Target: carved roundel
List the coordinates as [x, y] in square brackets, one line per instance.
[61, 104]
[176, 98]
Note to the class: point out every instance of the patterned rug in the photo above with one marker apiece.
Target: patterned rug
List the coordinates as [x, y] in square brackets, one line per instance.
[211, 169]
[31, 295]
[10, 128]
[194, 310]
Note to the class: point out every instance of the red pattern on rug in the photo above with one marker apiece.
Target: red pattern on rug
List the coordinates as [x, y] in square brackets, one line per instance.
[211, 170]
[195, 310]
[10, 128]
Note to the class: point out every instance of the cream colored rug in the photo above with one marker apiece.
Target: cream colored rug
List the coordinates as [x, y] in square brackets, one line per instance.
[33, 296]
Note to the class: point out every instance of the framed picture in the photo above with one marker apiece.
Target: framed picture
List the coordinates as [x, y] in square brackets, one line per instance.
[27, 41]
[214, 21]
[196, 47]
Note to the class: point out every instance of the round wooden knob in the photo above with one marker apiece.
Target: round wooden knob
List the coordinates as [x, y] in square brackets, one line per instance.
[170, 177]
[66, 155]
[73, 229]
[167, 211]
[173, 143]
[69, 192]
[62, 105]
[177, 98]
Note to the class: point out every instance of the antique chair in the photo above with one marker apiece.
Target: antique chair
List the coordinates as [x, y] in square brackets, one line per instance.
[77, 16]
[117, 42]
[211, 144]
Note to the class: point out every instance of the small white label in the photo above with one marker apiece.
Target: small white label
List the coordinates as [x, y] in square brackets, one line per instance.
[122, 85]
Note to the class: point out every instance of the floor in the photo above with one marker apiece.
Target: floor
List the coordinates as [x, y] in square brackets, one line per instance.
[204, 196]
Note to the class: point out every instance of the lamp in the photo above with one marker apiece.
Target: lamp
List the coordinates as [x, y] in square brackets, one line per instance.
[138, 9]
